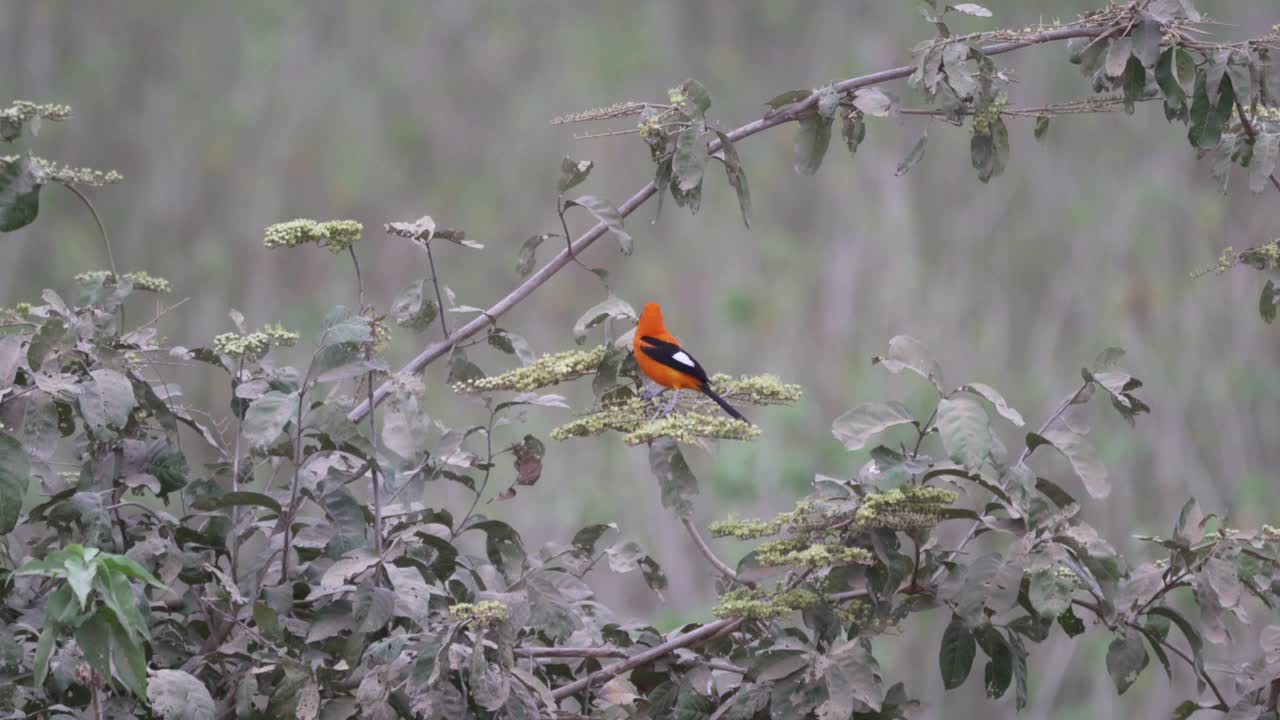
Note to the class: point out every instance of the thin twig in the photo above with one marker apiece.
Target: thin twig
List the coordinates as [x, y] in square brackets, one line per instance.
[681, 641]
[235, 486]
[710, 554]
[373, 427]
[436, 350]
[106, 241]
[436, 282]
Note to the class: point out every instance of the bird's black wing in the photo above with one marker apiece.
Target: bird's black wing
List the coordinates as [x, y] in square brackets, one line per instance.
[673, 356]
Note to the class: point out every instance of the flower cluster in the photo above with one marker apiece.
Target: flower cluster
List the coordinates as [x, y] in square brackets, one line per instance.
[756, 389]
[141, 280]
[22, 111]
[337, 235]
[687, 427]
[753, 604]
[625, 416]
[798, 551]
[485, 612]
[904, 508]
[252, 346]
[68, 175]
[547, 370]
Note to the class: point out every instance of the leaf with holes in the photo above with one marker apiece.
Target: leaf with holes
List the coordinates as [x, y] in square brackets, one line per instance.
[572, 173]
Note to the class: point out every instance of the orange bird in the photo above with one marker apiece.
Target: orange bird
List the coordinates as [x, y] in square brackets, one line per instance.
[659, 355]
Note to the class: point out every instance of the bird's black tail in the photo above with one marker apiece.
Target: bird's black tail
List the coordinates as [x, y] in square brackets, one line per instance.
[706, 390]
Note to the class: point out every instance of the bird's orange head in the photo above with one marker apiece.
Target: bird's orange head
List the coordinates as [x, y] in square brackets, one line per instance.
[650, 322]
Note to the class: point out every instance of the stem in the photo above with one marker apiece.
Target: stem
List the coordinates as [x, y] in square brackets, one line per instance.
[439, 299]
[373, 427]
[297, 476]
[436, 350]
[106, 241]
[710, 554]
[373, 473]
[488, 438]
[235, 485]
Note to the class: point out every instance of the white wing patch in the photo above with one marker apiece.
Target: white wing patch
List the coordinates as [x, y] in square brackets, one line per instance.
[683, 358]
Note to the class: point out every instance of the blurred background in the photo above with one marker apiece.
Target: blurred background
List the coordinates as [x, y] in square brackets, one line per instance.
[227, 117]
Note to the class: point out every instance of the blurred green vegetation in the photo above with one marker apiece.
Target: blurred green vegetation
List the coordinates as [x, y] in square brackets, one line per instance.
[227, 117]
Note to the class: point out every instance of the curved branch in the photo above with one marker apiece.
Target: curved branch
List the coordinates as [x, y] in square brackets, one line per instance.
[435, 350]
[692, 637]
[710, 554]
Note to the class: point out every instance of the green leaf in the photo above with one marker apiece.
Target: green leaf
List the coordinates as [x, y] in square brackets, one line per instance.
[117, 594]
[697, 99]
[908, 353]
[995, 398]
[267, 417]
[1134, 83]
[572, 173]
[610, 307]
[965, 430]
[1266, 149]
[20, 183]
[956, 655]
[812, 139]
[690, 160]
[1126, 659]
[129, 659]
[130, 568]
[414, 309]
[913, 157]
[461, 369]
[1084, 459]
[605, 212]
[1118, 57]
[675, 479]
[44, 649]
[1266, 306]
[873, 101]
[856, 427]
[989, 152]
[1207, 115]
[94, 638]
[737, 176]
[788, 98]
[528, 254]
[106, 401]
[1042, 126]
[1146, 42]
[998, 673]
[849, 676]
[854, 131]
[15, 475]
[80, 577]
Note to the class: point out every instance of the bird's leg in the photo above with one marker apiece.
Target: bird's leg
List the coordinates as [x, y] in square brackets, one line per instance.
[649, 393]
[675, 397]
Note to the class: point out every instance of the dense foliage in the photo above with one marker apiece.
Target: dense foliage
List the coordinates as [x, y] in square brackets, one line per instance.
[294, 560]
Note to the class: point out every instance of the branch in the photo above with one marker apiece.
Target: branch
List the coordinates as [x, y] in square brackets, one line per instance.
[710, 554]
[608, 652]
[435, 350]
[690, 638]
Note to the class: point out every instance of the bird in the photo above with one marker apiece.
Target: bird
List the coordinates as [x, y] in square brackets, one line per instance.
[660, 356]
